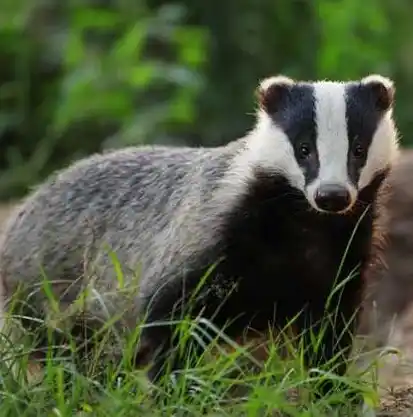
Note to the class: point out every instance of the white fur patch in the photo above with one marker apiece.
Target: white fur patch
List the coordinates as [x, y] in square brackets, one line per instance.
[382, 151]
[279, 79]
[332, 138]
[270, 148]
[267, 147]
[377, 78]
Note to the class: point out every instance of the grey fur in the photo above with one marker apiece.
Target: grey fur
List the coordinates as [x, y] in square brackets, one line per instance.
[148, 204]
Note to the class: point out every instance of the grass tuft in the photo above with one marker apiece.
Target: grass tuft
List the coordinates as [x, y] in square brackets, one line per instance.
[231, 379]
[263, 375]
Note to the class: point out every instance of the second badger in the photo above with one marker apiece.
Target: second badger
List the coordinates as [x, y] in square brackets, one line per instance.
[274, 210]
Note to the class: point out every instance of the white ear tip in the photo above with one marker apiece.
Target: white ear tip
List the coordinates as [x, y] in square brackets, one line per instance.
[377, 78]
[276, 80]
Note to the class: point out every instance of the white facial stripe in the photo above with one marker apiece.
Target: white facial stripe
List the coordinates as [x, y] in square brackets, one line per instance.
[332, 138]
[382, 151]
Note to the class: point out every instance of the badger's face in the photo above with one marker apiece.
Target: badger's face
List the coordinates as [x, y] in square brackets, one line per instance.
[328, 139]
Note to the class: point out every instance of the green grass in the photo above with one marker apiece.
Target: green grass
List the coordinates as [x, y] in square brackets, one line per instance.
[227, 381]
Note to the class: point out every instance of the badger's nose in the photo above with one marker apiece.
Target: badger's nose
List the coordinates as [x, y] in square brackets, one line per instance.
[332, 198]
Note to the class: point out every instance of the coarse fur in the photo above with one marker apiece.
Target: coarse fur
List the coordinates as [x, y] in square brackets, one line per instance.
[255, 208]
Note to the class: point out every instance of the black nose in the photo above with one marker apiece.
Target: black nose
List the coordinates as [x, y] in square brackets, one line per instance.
[332, 197]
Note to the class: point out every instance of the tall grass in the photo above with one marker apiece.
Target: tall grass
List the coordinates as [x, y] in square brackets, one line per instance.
[261, 376]
[232, 378]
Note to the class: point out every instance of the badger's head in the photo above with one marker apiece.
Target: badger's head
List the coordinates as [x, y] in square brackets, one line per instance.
[330, 140]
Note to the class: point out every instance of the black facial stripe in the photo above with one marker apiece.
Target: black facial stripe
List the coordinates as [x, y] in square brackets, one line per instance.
[362, 121]
[296, 117]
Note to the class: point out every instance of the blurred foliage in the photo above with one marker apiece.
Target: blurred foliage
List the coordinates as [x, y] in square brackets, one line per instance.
[83, 75]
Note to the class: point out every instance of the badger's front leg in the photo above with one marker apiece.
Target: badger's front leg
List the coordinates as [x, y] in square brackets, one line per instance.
[162, 349]
[161, 342]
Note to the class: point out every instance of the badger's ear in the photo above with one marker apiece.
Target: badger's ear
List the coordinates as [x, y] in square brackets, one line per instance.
[383, 90]
[271, 91]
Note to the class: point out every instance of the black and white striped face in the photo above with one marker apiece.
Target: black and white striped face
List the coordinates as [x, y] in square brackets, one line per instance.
[328, 139]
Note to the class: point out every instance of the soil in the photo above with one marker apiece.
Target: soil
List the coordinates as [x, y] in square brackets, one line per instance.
[396, 371]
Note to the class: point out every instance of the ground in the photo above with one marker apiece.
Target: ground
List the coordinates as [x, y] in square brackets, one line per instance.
[396, 373]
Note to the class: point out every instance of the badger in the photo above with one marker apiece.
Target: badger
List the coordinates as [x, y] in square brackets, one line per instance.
[266, 218]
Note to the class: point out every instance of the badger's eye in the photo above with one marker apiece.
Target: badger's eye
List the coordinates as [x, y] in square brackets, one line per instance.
[304, 150]
[359, 151]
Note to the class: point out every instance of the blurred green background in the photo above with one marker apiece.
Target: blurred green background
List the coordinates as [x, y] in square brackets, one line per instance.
[80, 76]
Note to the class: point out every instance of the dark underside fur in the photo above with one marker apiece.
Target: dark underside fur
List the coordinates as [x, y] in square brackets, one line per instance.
[284, 258]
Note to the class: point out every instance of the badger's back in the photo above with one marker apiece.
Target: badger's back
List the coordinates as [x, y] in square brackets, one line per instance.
[122, 199]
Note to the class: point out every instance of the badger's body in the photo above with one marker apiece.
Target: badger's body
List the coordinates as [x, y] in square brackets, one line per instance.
[274, 211]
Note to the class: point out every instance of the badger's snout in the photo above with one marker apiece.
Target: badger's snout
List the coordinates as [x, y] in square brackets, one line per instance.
[333, 198]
